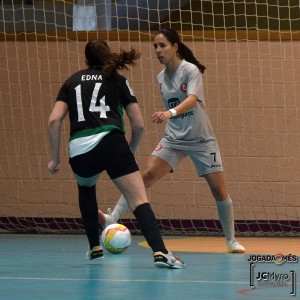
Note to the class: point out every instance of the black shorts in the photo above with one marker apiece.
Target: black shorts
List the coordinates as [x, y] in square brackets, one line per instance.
[112, 154]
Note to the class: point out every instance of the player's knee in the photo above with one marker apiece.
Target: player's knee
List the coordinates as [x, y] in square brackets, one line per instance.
[149, 177]
[220, 194]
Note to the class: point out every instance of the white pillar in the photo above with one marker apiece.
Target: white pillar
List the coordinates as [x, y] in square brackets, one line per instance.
[102, 16]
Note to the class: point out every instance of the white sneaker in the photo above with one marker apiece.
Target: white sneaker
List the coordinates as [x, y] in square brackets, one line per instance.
[168, 260]
[233, 246]
[105, 219]
[95, 253]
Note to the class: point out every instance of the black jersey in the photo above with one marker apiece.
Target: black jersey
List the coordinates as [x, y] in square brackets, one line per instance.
[95, 107]
[95, 103]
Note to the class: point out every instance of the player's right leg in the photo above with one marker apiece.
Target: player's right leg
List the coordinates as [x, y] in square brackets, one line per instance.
[122, 168]
[132, 187]
[156, 168]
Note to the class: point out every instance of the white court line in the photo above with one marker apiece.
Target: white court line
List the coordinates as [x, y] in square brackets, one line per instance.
[122, 280]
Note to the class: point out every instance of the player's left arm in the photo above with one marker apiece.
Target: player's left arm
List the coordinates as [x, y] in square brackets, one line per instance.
[56, 117]
[137, 124]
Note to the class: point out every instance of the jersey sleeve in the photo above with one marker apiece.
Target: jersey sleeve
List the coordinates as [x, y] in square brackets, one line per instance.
[63, 93]
[127, 94]
[195, 83]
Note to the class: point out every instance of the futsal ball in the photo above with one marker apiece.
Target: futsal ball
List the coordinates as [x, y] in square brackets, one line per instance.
[115, 238]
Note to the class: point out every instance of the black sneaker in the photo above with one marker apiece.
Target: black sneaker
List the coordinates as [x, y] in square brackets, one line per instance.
[95, 253]
[168, 260]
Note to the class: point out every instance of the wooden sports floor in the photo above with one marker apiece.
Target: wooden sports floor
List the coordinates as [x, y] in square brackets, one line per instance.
[54, 267]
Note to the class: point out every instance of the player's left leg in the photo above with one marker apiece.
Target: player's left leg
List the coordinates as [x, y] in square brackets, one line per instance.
[209, 165]
[217, 184]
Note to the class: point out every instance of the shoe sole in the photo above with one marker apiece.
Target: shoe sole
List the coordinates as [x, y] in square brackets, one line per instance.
[164, 265]
[236, 251]
[97, 258]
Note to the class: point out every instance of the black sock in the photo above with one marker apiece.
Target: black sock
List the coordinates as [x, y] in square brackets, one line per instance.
[149, 227]
[89, 212]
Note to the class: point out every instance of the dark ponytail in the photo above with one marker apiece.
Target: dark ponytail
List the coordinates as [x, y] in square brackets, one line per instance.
[184, 52]
[187, 54]
[99, 55]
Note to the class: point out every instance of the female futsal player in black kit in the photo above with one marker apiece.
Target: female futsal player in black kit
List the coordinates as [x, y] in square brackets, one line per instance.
[95, 99]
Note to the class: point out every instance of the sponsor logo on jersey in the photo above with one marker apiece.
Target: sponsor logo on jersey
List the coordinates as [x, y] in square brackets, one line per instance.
[183, 115]
[173, 102]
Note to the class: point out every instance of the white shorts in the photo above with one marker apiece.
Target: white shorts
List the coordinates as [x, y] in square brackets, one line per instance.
[206, 162]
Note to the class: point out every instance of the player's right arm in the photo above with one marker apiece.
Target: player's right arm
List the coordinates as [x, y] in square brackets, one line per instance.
[137, 124]
[188, 103]
[57, 115]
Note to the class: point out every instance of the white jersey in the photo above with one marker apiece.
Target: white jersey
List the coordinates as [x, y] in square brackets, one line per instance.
[191, 129]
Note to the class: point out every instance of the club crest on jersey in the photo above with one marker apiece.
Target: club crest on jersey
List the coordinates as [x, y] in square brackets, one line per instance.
[183, 87]
[158, 147]
[173, 102]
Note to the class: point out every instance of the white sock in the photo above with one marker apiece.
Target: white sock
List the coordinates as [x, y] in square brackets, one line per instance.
[225, 212]
[120, 209]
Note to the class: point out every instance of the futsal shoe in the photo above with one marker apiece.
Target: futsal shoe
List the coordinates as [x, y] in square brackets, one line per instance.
[233, 246]
[105, 219]
[95, 253]
[168, 260]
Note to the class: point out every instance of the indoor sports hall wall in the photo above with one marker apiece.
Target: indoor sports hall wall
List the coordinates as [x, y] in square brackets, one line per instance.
[253, 98]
